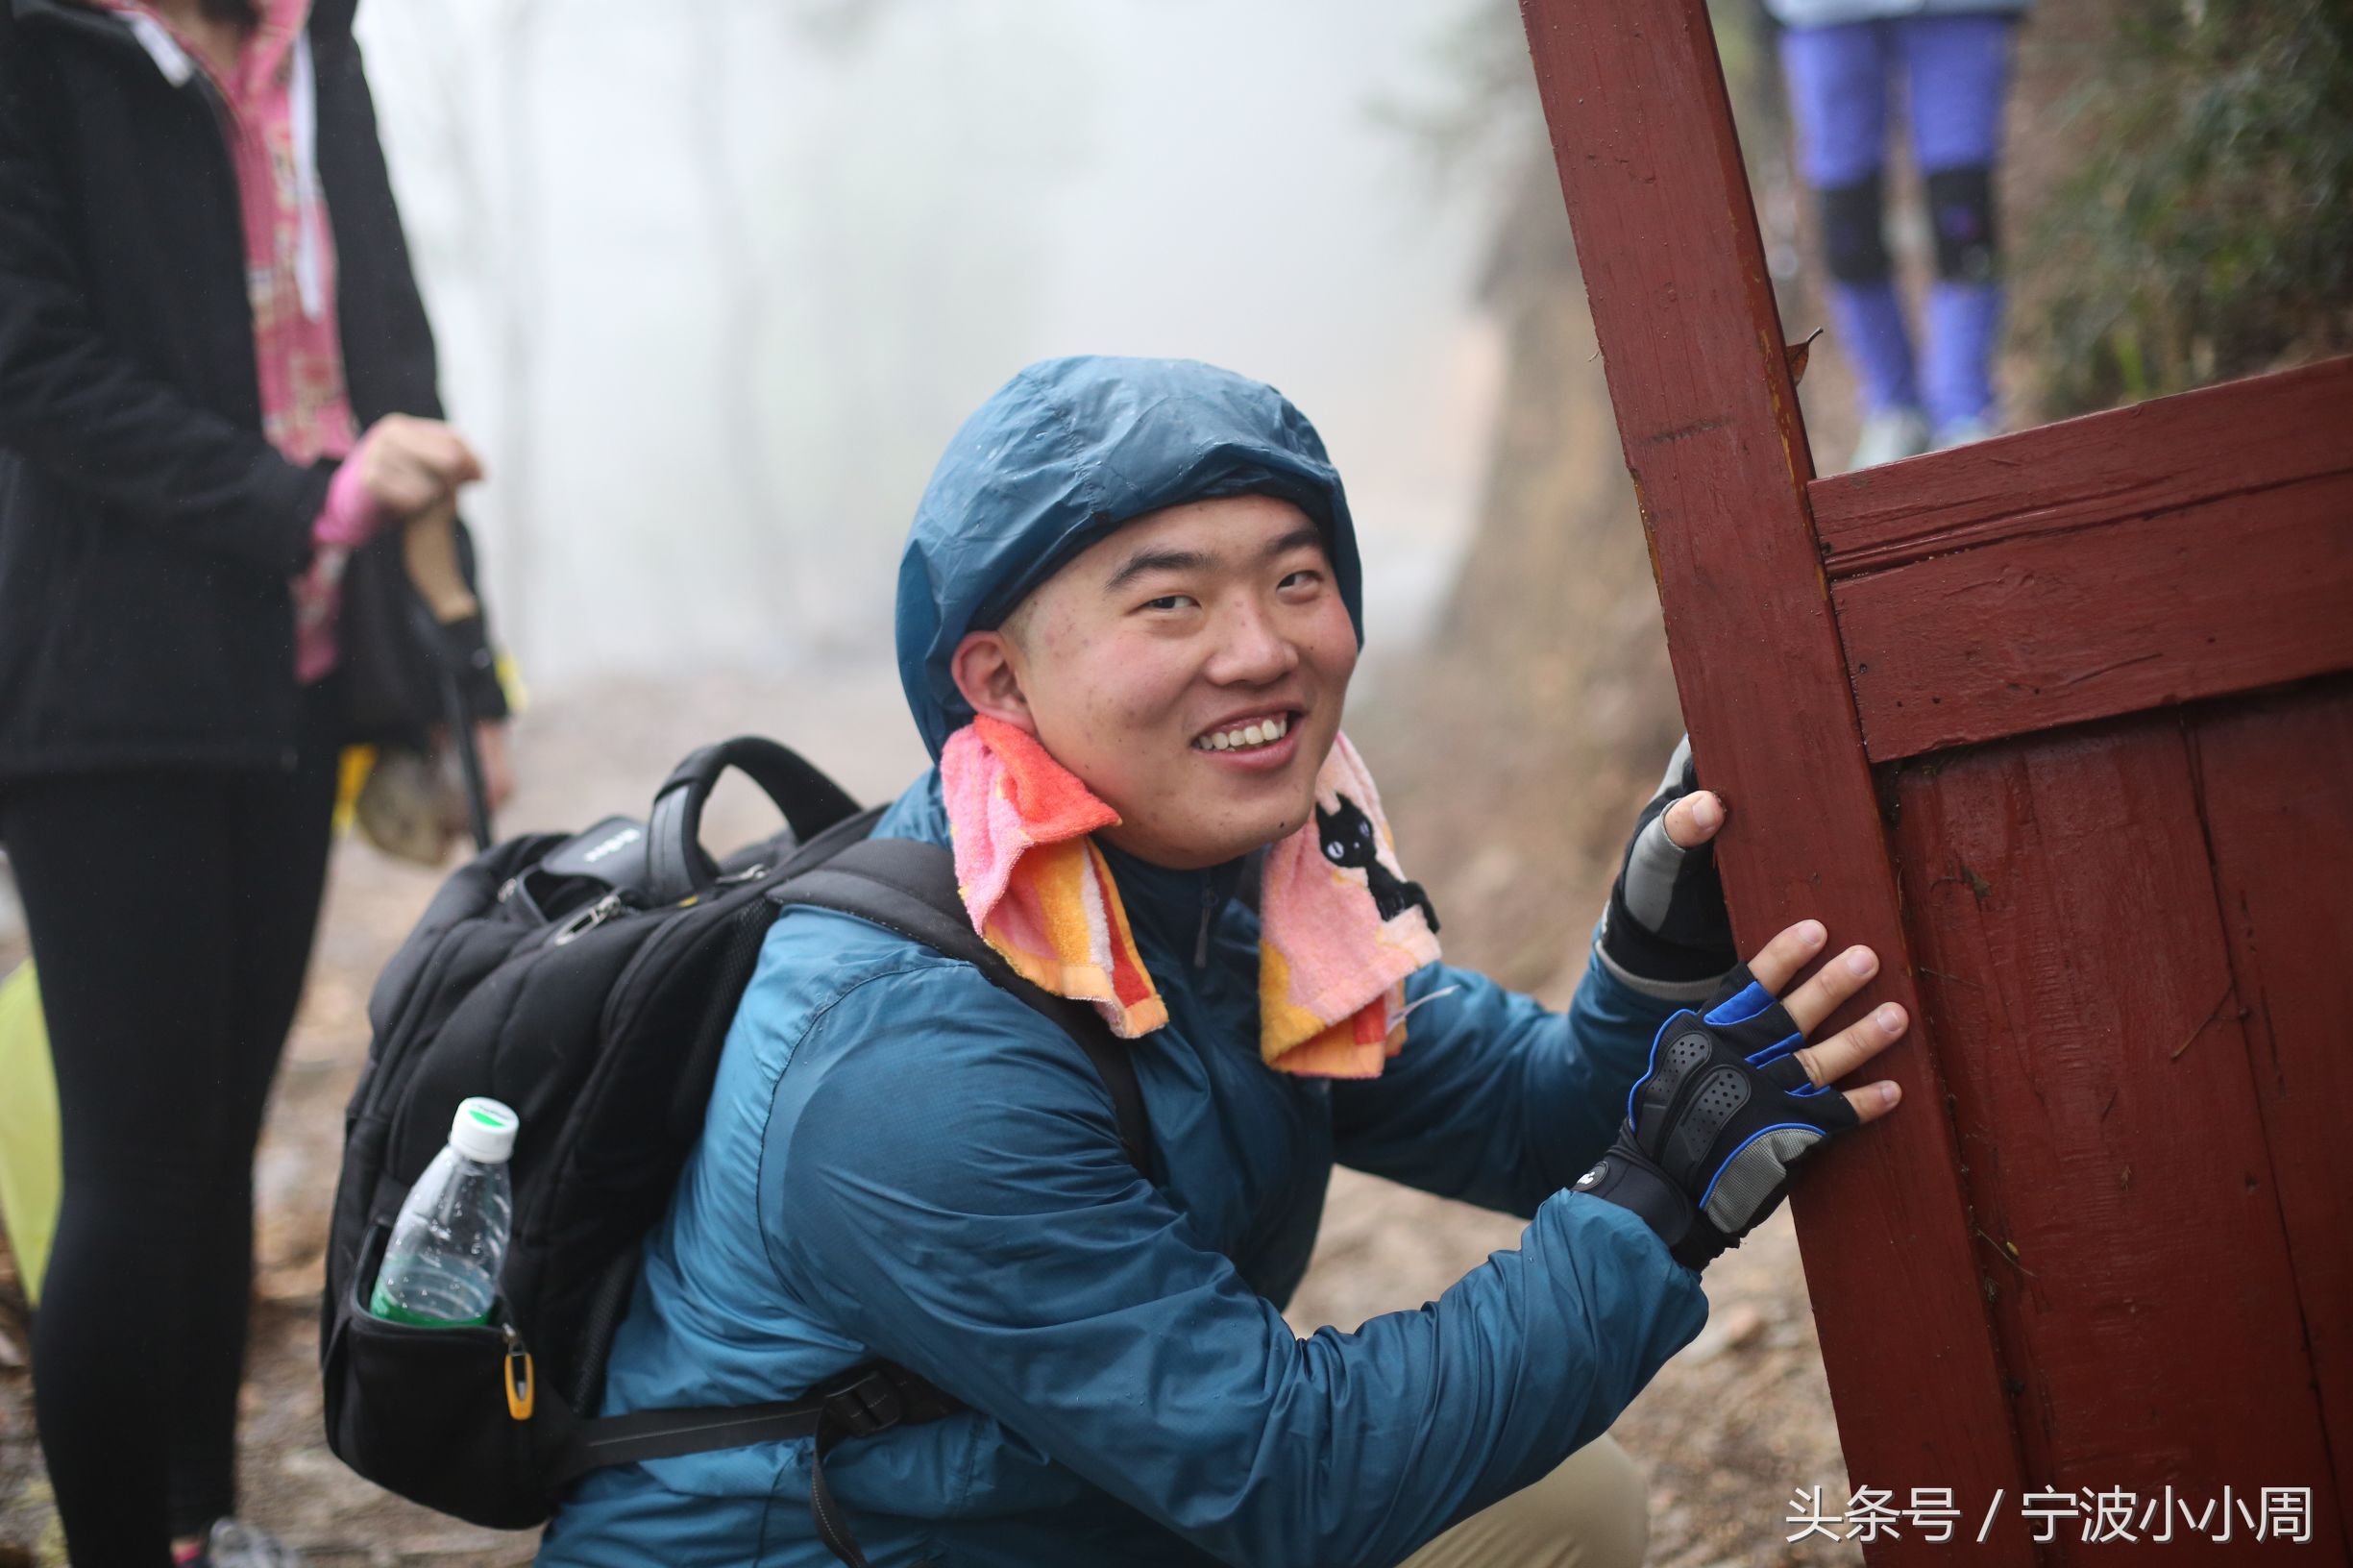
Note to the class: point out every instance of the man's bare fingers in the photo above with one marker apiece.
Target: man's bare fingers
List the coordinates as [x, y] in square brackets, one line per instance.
[1850, 1048]
[1779, 960]
[1873, 1101]
[1841, 977]
[1693, 821]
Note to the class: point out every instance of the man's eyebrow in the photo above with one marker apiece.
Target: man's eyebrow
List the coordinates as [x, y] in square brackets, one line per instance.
[1299, 538]
[1157, 560]
[1194, 560]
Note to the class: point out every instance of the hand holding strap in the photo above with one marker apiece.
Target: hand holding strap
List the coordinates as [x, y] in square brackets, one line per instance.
[1712, 1129]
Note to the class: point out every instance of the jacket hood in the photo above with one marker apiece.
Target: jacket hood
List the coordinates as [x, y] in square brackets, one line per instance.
[1063, 454]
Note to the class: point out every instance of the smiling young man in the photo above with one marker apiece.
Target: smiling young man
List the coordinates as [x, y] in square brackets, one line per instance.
[1188, 666]
[1127, 617]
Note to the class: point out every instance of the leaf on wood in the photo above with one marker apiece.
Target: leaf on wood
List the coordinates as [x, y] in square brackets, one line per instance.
[1798, 353]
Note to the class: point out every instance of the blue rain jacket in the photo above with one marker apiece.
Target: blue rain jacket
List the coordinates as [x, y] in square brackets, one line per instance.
[902, 1161]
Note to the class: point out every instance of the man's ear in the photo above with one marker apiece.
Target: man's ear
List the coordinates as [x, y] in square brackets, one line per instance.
[988, 675]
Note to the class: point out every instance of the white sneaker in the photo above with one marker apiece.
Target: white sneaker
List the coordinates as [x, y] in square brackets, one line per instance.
[1888, 436]
[233, 1544]
[1962, 432]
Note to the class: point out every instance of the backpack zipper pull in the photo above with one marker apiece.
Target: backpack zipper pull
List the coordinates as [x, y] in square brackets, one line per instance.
[588, 919]
[522, 1379]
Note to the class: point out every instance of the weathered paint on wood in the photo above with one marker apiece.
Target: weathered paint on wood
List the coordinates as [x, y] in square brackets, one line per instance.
[2275, 782]
[2128, 1218]
[1667, 240]
[2244, 591]
[2110, 466]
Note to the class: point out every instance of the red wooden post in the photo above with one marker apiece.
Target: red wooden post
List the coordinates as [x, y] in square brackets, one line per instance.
[1667, 240]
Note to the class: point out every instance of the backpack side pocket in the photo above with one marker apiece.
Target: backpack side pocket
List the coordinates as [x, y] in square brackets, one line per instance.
[448, 1417]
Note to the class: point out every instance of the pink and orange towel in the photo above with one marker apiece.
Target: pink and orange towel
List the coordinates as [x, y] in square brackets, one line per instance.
[1340, 926]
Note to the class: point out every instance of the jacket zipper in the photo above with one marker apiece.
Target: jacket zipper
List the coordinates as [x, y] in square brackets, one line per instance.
[1201, 940]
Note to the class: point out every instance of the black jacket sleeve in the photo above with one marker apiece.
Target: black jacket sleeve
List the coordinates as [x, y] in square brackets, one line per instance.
[93, 417]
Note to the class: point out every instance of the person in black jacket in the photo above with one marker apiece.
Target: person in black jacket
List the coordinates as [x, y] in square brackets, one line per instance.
[206, 309]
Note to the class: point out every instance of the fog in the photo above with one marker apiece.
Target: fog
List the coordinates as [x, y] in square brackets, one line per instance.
[713, 281]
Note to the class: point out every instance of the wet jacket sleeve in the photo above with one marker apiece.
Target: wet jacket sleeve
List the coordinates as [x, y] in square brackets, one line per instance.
[97, 420]
[1496, 1099]
[976, 1222]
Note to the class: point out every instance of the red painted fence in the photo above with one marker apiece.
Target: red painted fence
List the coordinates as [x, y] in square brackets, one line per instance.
[2062, 725]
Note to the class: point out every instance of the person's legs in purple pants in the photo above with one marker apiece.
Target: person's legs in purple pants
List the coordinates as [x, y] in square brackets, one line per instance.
[1957, 73]
[1838, 97]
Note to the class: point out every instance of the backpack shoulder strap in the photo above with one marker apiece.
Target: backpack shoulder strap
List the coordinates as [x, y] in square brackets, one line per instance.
[909, 887]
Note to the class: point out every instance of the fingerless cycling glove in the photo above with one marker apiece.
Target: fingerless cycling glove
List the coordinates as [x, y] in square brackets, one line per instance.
[1712, 1129]
[1667, 929]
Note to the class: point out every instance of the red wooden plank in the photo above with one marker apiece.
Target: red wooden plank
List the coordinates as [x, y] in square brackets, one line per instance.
[2140, 461]
[2277, 783]
[2235, 594]
[2063, 915]
[1667, 241]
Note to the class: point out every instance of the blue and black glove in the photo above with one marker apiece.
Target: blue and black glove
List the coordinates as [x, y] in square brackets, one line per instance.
[1712, 1129]
[1667, 930]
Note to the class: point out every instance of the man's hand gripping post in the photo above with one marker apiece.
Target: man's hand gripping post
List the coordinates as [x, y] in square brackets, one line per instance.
[1733, 1098]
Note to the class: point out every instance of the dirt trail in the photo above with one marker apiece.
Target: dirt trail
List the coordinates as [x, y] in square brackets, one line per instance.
[1726, 1430]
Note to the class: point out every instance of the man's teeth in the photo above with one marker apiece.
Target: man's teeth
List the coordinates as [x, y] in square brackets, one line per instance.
[1261, 733]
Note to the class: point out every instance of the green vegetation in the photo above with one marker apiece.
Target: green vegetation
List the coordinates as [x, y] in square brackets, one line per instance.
[2207, 233]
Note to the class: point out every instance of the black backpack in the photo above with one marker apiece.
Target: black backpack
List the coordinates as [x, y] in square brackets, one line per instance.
[589, 981]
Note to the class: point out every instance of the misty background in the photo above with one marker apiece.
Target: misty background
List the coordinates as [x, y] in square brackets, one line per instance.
[715, 283]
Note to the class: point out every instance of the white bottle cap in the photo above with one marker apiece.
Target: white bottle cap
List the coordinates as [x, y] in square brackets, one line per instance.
[485, 1130]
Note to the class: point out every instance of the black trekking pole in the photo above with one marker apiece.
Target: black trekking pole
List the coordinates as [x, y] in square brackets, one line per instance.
[443, 600]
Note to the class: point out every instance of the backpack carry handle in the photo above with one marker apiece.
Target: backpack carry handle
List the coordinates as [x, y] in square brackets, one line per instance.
[811, 803]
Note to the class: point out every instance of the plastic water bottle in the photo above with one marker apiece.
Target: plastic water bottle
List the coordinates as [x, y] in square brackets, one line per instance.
[441, 1267]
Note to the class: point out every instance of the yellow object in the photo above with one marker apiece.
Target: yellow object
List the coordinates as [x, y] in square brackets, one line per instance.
[510, 683]
[357, 762]
[520, 1395]
[30, 1178]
